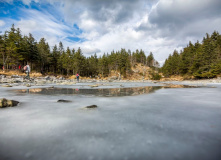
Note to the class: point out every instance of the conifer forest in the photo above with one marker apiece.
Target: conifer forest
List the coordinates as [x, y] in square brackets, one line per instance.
[200, 60]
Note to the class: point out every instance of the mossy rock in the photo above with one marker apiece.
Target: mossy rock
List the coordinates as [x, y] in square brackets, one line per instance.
[7, 103]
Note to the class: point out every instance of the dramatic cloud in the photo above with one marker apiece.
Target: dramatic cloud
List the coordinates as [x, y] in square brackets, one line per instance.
[172, 16]
[158, 26]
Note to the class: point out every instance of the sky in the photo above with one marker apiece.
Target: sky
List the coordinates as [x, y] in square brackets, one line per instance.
[101, 26]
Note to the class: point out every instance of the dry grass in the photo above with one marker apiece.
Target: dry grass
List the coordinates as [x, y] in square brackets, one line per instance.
[173, 78]
[20, 73]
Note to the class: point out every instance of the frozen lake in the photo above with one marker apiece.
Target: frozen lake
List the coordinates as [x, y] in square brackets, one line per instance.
[132, 121]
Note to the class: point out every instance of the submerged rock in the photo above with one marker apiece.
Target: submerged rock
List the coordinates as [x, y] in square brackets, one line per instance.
[63, 100]
[7, 103]
[91, 106]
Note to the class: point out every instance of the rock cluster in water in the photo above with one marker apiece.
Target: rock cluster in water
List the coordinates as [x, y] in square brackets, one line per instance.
[7, 103]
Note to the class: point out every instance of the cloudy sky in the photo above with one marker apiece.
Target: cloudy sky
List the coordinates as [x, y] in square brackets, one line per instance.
[101, 26]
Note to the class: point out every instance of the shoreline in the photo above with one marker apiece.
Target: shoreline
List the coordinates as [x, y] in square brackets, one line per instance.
[19, 80]
[37, 78]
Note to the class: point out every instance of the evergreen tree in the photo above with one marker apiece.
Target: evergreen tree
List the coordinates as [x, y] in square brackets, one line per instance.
[103, 65]
[150, 60]
[198, 60]
[79, 63]
[55, 59]
[44, 55]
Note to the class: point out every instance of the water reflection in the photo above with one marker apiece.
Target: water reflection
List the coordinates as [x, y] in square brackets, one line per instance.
[104, 92]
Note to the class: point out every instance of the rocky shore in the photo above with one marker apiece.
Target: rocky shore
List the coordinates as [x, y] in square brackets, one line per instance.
[8, 81]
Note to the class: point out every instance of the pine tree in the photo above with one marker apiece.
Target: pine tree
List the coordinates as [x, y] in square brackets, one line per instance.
[150, 60]
[55, 59]
[44, 55]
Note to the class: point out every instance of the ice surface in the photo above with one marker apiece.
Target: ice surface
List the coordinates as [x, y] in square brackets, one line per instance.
[174, 123]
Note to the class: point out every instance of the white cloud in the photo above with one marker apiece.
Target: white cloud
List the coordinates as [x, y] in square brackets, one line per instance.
[27, 2]
[159, 26]
[167, 26]
[2, 23]
[43, 25]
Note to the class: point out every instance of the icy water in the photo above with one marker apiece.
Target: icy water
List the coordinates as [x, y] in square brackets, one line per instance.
[132, 121]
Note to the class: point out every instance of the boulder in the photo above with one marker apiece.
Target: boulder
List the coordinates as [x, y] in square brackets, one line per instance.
[40, 82]
[17, 80]
[7, 103]
[63, 100]
[7, 85]
[47, 78]
[28, 85]
[15, 76]
[95, 85]
[2, 76]
[114, 78]
[61, 78]
[91, 106]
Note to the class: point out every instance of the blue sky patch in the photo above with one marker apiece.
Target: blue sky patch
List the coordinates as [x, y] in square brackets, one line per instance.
[16, 11]
[75, 39]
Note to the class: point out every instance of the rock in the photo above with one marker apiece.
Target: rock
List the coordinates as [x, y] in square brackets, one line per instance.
[113, 78]
[94, 85]
[7, 85]
[17, 80]
[9, 77]
[2, 76]
[63, 100]
[67, 83]
[40, 82]
[47, 78]
[7, 103]
[15, 76]
[61, 78]
[91, 106]
[28, 85]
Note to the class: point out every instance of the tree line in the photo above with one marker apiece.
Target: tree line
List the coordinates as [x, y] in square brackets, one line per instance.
[16, 49]
[200, 60]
